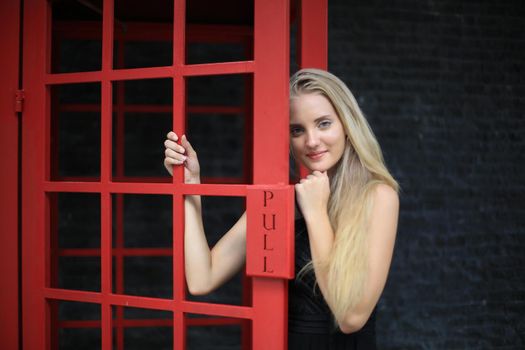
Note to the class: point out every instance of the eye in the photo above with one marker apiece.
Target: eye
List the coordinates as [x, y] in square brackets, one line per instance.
[325, 124]
[296, 131]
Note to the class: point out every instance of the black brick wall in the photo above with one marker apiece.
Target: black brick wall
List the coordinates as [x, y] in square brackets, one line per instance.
[443, 85]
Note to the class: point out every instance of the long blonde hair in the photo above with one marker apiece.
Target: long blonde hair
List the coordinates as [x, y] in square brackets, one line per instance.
[358, 172]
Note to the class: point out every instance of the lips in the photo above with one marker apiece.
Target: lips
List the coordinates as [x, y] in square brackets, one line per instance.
[315, 155]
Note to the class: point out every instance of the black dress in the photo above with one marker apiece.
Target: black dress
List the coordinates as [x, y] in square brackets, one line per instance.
[310, 321]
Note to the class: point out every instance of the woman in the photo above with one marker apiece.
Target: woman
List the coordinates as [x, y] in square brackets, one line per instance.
[345, 237]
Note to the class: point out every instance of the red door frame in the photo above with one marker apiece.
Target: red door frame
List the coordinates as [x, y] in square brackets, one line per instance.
[9, 125]
[312, 40]
[270, 81]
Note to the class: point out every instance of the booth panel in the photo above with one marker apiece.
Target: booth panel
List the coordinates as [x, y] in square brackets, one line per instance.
[11, 105]
[87, 71]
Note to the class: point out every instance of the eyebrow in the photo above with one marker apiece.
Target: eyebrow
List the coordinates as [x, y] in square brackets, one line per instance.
[323, 117]
[315, 121]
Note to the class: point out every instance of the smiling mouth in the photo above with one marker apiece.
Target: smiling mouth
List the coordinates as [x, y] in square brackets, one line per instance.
[316, 155]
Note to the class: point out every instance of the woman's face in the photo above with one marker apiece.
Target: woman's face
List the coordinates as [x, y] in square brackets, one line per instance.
[316, 133]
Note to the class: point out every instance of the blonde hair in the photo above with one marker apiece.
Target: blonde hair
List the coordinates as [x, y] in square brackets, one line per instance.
[359, 171]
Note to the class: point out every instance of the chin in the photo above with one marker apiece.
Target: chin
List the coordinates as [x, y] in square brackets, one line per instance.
[316, 167]
[321, 167]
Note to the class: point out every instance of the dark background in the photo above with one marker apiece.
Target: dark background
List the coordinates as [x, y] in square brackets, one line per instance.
[442, 84]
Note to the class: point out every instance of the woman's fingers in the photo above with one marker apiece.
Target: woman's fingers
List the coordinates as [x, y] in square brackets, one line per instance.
[172, 136]
[169, 153]
[171, 143]
[314, 177]
[174, 153]
[174, 146]
[181, 154]
[172, 161]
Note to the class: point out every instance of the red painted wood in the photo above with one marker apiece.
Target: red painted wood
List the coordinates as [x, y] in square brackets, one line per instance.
[105, 173]
[270, 151]
[119, 109]
[179, 126]
[9, 121]
[153, 179]
[313, 34]
[312, 41]
[153, 188]
[270, 222]
[34, 171]
[121, 323]
[117, 252]
[219, 68]
[152, 72]
[246, 327]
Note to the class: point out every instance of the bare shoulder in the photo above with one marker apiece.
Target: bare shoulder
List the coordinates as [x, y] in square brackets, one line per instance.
[385, 195]
[385, 210]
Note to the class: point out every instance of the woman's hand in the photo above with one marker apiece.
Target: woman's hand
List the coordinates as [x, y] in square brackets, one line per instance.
[313, 193]
[182, 154]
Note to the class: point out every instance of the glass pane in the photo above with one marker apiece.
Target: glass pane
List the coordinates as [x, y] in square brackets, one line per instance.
[79, 272]
[142, 116]
[137, 329]
[75, 241]
[74, 325]
[143, 34]
[148, 276]
[78, 220]
[207, 333]
[219, 118]
[219, 31]
[199, 52]
[142, 245]
[75, 132]
[145, 221]
[76, 36]
[139, 54]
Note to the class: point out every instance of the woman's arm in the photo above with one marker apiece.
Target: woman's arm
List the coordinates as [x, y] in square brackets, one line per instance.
[381, 237]
[205, 270]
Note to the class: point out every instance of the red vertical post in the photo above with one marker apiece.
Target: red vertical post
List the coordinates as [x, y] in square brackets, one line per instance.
[119, 142]
[313, 34]
[270, 151]
[106, 125]
[312, 40]
[9, 266]
[53, 258]
[34, 157]
[179, 126]
[247, 175]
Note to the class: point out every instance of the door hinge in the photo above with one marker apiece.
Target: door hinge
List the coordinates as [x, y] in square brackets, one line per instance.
[19, 100]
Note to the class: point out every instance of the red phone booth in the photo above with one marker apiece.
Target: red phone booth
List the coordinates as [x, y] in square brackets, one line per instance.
[51, 91]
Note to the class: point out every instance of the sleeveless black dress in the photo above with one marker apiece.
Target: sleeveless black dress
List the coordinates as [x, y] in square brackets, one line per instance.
[310, 321]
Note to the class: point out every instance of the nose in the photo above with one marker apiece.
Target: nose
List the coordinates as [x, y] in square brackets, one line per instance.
[312, 139]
